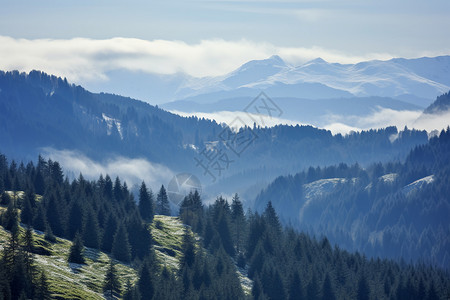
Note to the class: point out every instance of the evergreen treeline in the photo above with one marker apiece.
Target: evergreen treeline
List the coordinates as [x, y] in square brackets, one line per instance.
[102, 214]
[441, 105]
[285, 264]
[375, 210]
[19, 276]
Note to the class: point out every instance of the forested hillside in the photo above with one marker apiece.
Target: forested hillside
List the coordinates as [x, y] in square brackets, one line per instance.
[227, 255]
[101, 215]
[441, 105]
[48, 112]
[396, 210]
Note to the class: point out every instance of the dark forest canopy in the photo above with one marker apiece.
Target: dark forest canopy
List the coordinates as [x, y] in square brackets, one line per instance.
[281, 262]
[396, 210]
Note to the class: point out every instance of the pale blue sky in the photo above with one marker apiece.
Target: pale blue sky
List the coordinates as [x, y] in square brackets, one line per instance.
[352, 26]
[208, 37]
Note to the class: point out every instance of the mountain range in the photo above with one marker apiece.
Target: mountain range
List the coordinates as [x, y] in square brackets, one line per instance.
[320, 93]
[416, 81]
[408, 79]
[43, 113]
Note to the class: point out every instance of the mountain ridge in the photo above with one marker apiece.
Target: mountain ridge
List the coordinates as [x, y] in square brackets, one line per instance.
[353, 78]
[76, 125]
[424, 78]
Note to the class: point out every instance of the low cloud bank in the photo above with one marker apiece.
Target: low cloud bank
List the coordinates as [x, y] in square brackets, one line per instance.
[131, 170]
[384, 117]
[237, 119]
[343, 124]
[82, 59]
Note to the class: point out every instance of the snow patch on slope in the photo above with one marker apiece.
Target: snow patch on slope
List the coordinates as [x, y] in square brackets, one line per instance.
[417, 185]
[389, 178]
[317, 189]
[110, 122]
[392, 78]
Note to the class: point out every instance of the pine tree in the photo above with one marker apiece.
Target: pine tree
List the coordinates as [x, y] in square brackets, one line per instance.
[75, 220]
[257, 289]
[363, 288]
[111, 284]
[5, 199]
[91, 231]
[53, 213]
[39, 183]
[108, 189]
[14, 258]
[5, 290]
[238, 223]
[76, 250]
[295, 287]
[162, 202]
[11, 251]
[421, 291]
[10, 219]
[146, 203]
[108, 234]
[28, 247]
[328, 292]
[20, 283]
[139, 236]
[188, 250]
[168, 288]
[2, 186]
[146, 282]
[191, 211]
[56, 172]
[432, 293]
[223, 229]
[49, 236]
[42, 291]
[40, 219]
[131, 292]
[26, 215]
[272, 283]
[312, 290]
[117, 190]
[121, 246]
[272, 218]
[197, 279]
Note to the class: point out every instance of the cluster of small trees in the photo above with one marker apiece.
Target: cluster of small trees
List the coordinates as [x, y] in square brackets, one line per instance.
[19, 276]
[104, 214]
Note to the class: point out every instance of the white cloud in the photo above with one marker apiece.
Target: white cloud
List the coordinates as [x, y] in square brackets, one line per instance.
[237, 119]
[341, 128]
[83, 59]
[131, 170]
[384, 117]
[433, 122]
[343, 124]
[298, 55]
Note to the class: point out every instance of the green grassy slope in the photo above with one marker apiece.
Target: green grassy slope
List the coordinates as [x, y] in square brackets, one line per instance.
[73, 281]
[167, 235]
